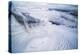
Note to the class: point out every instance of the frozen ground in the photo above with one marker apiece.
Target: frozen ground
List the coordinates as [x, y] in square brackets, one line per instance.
[43, 27]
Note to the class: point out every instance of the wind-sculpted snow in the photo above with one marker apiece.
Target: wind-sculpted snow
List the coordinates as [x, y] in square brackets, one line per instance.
[43, 27]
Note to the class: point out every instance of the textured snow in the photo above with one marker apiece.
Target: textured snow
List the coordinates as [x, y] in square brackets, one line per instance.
[39, 29]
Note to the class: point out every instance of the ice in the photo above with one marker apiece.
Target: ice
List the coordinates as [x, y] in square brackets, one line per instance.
[40, 29]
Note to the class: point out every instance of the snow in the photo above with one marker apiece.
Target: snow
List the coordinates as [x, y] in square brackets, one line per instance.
[42, 35]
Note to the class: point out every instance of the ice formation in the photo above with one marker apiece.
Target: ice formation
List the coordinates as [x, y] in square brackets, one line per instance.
[43, 27]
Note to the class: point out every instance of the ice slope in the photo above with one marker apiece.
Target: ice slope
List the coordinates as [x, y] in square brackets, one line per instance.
[45, 34]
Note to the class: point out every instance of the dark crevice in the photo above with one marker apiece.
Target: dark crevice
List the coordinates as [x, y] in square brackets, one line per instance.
[54, 23]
